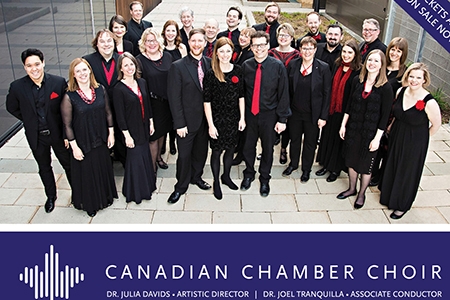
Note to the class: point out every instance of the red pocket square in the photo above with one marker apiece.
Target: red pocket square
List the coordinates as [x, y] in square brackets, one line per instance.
[53, 96]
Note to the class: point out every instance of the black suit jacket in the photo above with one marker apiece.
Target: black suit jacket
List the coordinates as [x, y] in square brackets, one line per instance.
[325, 56]
[134, 33]
[128, 111]
[185, 93]
[95, 60]
[20, 103]
[320, 86]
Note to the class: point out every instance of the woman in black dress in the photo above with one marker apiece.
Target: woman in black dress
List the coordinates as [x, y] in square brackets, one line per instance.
[364, 122]
[155, 65]
[396, 55]
[414, 122]
[330, 153]
[224, 110]
[88, 123]
[118, 26]
[134, 118]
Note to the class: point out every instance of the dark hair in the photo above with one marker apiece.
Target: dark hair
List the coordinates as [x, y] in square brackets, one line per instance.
[335, 26]
[163, 33]
[30, 52]
[137, 72]
[308, 40]
[236, 9]
[100, 33]
[402, 44]
[119, 20]
[195, 31]
[215, 64]
[356, 62]
[260, 34]
[136, 2]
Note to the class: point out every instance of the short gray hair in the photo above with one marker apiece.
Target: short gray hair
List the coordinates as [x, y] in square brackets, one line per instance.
[186, 9]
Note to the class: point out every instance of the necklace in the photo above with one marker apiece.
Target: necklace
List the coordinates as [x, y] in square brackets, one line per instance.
[157, 62]
[85, 98]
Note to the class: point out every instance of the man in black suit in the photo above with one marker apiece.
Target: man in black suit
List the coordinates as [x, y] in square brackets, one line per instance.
[331, 50]
[185, 92]
[35, 100]
[271, 14]
[136, 25]
[370, 33]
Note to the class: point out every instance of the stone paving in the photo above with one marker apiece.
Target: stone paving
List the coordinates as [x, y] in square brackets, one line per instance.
[290, 202]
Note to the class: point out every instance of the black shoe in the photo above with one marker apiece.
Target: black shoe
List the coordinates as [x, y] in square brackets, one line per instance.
[202, 184]
[237, 160]
[91, 214]
[174, 197]
[305, 176]
[333, 176]
[288, 171]
[259, 156]
[264, 189]
[322, 172]
[217, 190]
[358, 206]
[246, 183]
[283, 156]
[342, 195]
[50, 204]
[229, 183]
[373, 182]
[162, 164]
[395, 216]
[173, 151]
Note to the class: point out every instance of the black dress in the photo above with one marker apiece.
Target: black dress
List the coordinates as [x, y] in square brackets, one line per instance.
[408, 145]
[155, 73]
[93, 185]
[224, 99]
[366, 116]
[139, 180]
[176, 54]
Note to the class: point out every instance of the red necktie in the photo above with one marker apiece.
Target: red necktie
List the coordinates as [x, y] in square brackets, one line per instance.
[268, 29]
[256, 91]
[209, 52]
[201, 74]
[365, 48]
[230, 33]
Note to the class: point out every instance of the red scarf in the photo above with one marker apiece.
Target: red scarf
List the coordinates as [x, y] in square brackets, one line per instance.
[338, 87]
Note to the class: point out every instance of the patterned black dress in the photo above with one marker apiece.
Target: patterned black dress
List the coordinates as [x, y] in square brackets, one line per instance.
[224, 99]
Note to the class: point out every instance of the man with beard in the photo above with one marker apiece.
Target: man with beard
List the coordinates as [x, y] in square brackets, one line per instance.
[136, 25]
[370, 33]
[313, 21]
[234, 17]
[185, 92]
[271, 14]
[211, 29]
[331, 50]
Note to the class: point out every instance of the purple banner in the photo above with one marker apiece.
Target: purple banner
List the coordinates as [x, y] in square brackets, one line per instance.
[433, 16]
[224, 265]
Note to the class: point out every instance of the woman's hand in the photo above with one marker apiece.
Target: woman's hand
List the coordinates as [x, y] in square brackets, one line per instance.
[77, 153]
[374, 145]
[342, 132]
[111, 140]
[213, 133]
[129, 141]
[241, 125]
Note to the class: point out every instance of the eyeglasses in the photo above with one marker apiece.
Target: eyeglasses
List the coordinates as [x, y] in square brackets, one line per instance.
[151, 41]
[369, 29]
[285, 36]
[258, 46]
[307, 49]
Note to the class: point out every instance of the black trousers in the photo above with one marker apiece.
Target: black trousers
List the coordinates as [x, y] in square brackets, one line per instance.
[259, 126]
[42, 155]
[192, 153]
[301, 125]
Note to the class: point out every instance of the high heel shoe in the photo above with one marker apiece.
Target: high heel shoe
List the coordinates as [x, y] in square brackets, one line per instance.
[229, 183]
[358, 206]
[343, 195]
[217, 190]
[162, 164]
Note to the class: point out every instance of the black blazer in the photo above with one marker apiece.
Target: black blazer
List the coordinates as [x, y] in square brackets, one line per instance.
[320, 86]
[185, 93]
[95, 60]
[128, 111]
[134, 33]
[20, 103]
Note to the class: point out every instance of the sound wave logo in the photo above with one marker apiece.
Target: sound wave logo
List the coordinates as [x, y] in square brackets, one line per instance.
[51, 282]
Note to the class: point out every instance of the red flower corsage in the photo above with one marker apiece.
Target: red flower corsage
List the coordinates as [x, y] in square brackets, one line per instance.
[53, 95]
[420, 104]
[234, 79]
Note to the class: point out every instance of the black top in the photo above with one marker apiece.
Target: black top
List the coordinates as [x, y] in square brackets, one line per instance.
[272, 32]
[274, 94]
[245, 54]
[97, 61]
[395, 82]
[321, 39]
[87, 123]
[127, 47]
[377, 44]
[155, 73]
[185, 39]
[38, 95]
[301, 100]
[234, 38]
[175, 53]
[129, 112]
[134, 33]
[323, 54]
